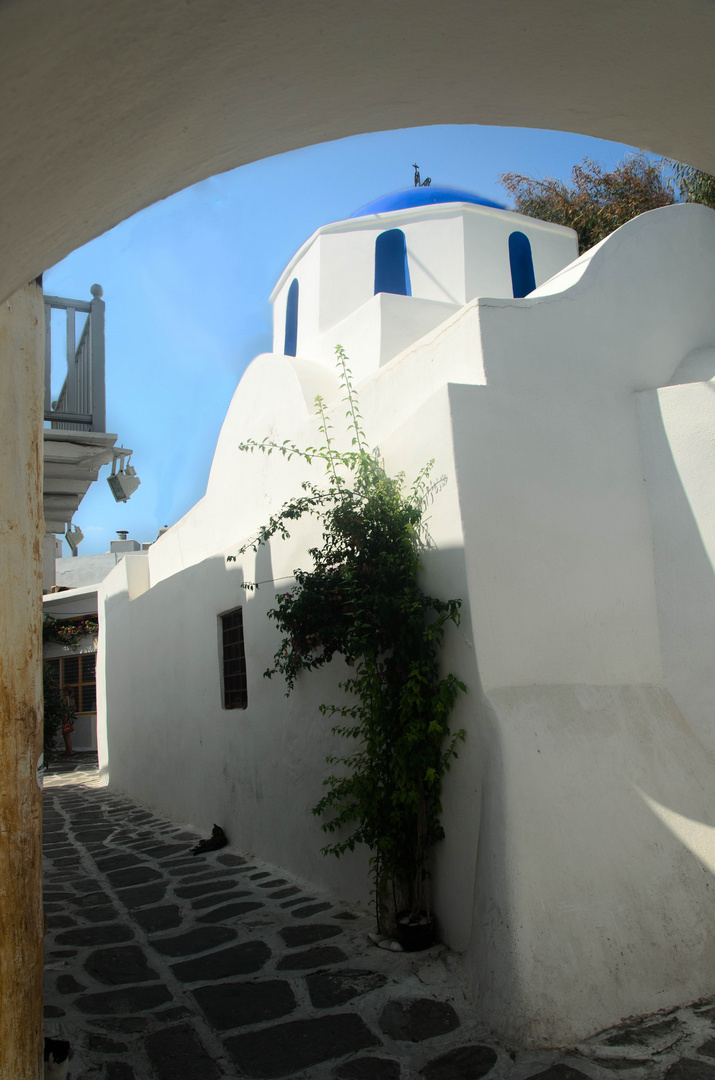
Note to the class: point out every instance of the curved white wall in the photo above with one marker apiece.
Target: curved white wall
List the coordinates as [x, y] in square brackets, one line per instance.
[573, 494]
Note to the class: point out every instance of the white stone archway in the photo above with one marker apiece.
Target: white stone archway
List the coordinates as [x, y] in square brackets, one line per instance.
[108, 108]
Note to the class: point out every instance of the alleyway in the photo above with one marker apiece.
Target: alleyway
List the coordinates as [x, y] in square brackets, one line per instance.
[161, 965]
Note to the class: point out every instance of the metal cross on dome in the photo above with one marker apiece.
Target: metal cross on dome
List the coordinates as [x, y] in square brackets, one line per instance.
[424, 183]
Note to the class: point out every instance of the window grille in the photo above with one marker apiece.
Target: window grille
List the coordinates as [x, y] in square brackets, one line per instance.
[77, 679]
[235, 686]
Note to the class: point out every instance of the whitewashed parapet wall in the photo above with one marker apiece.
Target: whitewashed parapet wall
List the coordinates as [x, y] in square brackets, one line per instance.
[455, 251]
[572, 430]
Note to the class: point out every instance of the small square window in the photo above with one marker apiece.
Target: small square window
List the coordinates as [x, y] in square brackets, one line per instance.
[235, 686]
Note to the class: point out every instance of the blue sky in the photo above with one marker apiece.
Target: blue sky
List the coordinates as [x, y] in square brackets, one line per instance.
[186, 284]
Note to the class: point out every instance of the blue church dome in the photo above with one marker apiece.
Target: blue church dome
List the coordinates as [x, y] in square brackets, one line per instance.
[408, 198]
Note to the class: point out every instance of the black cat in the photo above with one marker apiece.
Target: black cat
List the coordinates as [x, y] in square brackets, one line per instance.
[218, 839]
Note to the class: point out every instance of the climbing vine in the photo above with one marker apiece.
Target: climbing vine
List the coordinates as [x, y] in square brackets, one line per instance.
[361, 600]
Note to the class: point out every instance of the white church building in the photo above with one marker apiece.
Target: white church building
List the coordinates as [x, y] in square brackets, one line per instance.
[569, 407]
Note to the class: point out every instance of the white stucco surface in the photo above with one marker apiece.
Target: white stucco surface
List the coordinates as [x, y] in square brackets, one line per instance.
[572, 513]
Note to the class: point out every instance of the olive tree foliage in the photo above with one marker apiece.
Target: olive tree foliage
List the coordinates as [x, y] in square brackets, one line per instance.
[694, 185]
[594, 202]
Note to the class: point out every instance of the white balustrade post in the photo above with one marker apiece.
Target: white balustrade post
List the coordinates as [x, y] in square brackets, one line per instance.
[96, 337]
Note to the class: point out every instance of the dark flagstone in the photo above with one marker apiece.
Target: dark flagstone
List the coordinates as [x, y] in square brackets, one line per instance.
[86, 836]
[219, 914]
[61, 922]
[119, 861]
[118, 1070]
[232, 860]
[183, 868]
[143, 895]
[643, 1034]
[348, 916]
[284, 892]
[313, 909]
[299, 1044]
[133, 875]
[120, 965]
[203, 887]
[92, 899]
[308, 935]
[103, 1045]
[217, 898]
[311, 958]
[158, 851]
[463, 1063]
[110, 934]
[297, 900]
[331, 988]
[690, 1069]
[128, 1025]
[127, 1000]
[260, 874]
[51, 1011]
[194, 941]
[272, 884]
[619, 1063]
[174, 1012]
[559, 1072]
[241, 959]
[177, 1053]
[201, 873]
[153, 919]
[122, 837]
[231, 1005]
[367, 1068]
[100, 914]
[85, 885]
[418, 1019]
[67, 984]
[708, 1048]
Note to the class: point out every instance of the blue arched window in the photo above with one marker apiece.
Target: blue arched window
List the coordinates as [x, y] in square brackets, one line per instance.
[522, 265]
[392, 273]
[291, 338]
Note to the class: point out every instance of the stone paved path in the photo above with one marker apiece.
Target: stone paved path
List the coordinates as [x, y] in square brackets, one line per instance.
[161, 965]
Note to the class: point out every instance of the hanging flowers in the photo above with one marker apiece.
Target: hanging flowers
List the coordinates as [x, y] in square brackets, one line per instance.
[68, 631]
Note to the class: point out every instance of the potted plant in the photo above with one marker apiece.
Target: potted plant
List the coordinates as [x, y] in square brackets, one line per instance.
[362, 600]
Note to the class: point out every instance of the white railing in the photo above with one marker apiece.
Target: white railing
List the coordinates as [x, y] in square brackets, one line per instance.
[80, 405]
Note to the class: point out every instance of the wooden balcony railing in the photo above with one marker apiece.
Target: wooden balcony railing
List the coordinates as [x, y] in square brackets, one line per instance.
[81, 404]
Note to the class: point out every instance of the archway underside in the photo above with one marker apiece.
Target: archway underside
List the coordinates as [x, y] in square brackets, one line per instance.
[109, 108]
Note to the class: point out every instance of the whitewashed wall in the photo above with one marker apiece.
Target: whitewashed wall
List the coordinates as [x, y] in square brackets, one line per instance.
[575, 520]
[455, 252]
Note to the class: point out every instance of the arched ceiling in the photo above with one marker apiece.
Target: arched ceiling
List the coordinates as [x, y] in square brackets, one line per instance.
[108, 107]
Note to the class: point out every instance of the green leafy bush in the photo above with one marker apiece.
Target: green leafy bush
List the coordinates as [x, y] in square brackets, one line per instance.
[362, 600]
[56, 709]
